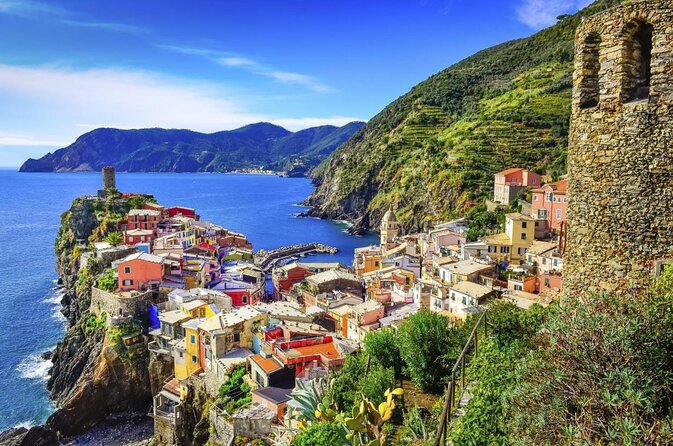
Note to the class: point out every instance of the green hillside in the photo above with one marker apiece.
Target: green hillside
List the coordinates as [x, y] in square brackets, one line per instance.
[435, 149]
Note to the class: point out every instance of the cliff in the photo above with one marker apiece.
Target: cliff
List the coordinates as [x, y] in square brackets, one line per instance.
[94, 373]
[434, 150]
[255, 146]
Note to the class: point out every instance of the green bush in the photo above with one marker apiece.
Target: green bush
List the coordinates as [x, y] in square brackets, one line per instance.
[107, 281]
[321, 434]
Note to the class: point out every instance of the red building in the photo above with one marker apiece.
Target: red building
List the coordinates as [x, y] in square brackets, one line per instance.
[549, 281]
[134, 236]
[549, 204]
[285, 277]
[174, 211]
[147, 219]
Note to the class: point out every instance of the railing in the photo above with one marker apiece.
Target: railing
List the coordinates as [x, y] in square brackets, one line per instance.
[449, 402]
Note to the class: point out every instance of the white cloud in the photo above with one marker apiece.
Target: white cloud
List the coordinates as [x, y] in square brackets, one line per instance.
[9, 139]
[232, 60]
[33, 9]
[55, 105]
[539, 14]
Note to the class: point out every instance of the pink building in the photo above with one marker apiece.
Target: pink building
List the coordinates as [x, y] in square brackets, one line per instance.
[146, 219]
[549, 204]
[140, 271]
[510, 182]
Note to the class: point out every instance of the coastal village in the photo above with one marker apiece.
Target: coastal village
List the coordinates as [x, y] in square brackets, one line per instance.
[212, 310]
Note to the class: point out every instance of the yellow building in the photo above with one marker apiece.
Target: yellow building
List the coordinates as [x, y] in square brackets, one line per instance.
[187, 360]
[367, 259]
[198, 308]
[512, 244]
[389, 230]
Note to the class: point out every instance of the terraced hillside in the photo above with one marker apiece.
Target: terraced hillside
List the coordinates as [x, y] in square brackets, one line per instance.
[434, 150]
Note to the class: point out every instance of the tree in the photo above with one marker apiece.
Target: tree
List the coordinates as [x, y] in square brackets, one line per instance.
[107, 281]
[383, 346]
[351, 381]
[422, 341]
[114, 238]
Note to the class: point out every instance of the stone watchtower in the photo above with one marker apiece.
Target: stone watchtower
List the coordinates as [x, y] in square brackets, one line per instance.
[620, 154]
[109, 178]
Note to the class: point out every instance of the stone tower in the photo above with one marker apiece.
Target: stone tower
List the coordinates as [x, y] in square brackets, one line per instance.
[389, 229]
[109, 178]
[620, 154]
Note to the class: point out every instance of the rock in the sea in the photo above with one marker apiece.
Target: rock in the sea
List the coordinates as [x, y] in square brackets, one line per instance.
[35, 436]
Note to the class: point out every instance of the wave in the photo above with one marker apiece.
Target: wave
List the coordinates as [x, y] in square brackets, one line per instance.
[35, 367]
[55, 298]
[25, 424]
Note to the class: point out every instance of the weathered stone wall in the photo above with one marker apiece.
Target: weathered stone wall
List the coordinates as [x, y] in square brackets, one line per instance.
[114, 305]
[620, 157]
[222, 432]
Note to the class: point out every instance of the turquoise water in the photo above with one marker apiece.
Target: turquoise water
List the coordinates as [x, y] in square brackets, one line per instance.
[263, 207]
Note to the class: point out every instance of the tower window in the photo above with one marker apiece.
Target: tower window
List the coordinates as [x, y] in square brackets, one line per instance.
[637, 61]
[591, 65]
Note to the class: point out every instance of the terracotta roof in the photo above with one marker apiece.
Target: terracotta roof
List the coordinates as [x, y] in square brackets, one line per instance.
[560, 187]
[173, 386]
[510, 171]
[269, 365]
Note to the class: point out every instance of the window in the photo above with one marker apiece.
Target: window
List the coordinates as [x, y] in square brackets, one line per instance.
[638, 60]
[555, 262]
[522, 251]
[523, 236]
[590, 59]
[192, 339]
[550, 196]
[182, 355]
[534, 197]
[194, 358]
[237, 337]
[245, 299]
[127, 270]
[542, 214]
[504, 249]
[518, 287]
[558, 214]
[524, 224]
[546, 282]
[492, 249]
[127, 282]
[464, 300]
[544, 260]
[453, 296]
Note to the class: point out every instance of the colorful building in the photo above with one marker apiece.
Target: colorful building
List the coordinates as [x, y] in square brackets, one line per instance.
[549, 205]
[187, 354]
[140, 271]
[510, 182]
[143, 219]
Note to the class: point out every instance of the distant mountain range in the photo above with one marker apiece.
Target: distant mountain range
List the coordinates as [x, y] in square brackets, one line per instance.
[255, 146]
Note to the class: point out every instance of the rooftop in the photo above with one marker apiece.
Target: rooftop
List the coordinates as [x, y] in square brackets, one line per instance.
[276, 395]
[539, 247]
[328, 276]
[560, 187]
[269, 365]
[289, 309]
[142, 256]
[366, 307]
[497, 239]
[471, 289]
[151, 212]
[193, 324]
[517, 216]
[173, 316]
[510, 171]
[139, 232]
[466, 267]
[225, 320]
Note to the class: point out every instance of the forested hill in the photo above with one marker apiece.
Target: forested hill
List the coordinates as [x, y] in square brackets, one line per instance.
[435, 149]
[261, 145]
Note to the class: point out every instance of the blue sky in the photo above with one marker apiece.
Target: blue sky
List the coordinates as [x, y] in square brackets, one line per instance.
[70, 66]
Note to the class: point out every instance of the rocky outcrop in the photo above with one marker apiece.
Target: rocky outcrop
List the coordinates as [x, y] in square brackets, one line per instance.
[35, 436]
[116, 382]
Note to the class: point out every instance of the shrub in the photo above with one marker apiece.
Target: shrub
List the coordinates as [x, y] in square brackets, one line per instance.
[321, 434]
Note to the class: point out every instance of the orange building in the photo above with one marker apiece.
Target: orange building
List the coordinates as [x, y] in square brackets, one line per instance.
[140, 271]
[510, 182]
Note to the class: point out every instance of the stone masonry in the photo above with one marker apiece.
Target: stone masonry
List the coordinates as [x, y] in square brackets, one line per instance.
[620, 155]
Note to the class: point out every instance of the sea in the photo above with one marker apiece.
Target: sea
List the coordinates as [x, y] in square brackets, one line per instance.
[263, 207]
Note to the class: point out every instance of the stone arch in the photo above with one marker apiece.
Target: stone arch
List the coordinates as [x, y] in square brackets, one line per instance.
[590, 61]
[637, 60]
